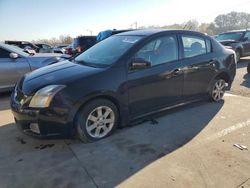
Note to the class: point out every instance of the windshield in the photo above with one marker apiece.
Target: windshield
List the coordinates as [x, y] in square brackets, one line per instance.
[229, 36]
[107, 51]
[14, 49]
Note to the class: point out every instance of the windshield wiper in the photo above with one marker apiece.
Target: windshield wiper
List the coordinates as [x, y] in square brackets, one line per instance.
[88, 64]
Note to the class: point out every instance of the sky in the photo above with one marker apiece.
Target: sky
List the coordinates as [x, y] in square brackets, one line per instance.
[40, 19]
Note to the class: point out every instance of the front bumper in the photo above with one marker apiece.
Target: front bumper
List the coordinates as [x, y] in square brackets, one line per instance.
[47, 122]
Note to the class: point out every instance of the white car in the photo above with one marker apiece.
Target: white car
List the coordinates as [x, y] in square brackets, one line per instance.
[60, 48]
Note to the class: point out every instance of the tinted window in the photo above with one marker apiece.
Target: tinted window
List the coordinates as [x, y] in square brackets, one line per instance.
[247, 35]
[161, 50]
[46, 46]
[229, 36]
[193, 46]
[107, 51]
[4, 53]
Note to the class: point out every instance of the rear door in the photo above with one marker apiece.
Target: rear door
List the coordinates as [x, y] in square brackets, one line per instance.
[159, 85]
[11, 69]
[246, 44]
[199, 64]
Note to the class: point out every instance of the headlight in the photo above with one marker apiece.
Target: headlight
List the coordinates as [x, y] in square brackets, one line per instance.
[43, 97]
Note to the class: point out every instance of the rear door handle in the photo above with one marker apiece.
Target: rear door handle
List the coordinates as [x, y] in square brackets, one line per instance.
[176, 71]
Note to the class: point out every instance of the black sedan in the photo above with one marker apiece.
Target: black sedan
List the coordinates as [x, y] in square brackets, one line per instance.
[123, 78]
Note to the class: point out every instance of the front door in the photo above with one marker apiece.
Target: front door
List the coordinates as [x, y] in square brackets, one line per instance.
[159, 85]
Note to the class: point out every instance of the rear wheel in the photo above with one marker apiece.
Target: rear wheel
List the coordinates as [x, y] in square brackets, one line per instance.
[217, 90]
[97, 120]
[248, 68]
[238, 54]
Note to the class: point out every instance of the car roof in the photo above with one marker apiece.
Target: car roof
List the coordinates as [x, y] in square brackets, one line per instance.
[148, 32]
[235, 31]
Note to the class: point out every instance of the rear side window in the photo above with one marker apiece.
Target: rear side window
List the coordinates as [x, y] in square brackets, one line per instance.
[4, 53]
[194, 46]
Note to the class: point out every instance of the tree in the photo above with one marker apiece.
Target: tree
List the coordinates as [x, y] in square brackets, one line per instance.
[63, 39]
[232, 21]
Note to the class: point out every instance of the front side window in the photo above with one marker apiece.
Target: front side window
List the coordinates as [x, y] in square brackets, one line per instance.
[193, 46]
[107, 51]
[159, 51]
[4, 53]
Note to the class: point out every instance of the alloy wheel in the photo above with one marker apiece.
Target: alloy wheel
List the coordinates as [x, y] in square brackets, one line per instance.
[100, 122]
[218, 90]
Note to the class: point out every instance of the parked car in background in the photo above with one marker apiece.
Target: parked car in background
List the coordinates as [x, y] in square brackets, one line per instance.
[238, 40]
[120, 79]
[26, 50]
[44, 48]
[107, 33]
[82, 43]
[60, 48]
[29, 50]
[24, 45]
[69, 49]
[14, 63]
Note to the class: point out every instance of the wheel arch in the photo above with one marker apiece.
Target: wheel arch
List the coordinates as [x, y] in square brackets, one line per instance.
[224, 75]
[111, 98]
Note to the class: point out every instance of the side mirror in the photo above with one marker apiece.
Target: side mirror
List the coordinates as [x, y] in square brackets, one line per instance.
[13, 55]
[139, 63]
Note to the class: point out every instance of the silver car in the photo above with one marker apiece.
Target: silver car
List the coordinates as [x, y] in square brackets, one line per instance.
[14, 63]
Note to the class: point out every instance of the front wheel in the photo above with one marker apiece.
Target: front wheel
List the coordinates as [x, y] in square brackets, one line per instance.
[97, 120]
[217, 90]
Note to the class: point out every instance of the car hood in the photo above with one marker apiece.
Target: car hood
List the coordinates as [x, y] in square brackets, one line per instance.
[228, 42]
[61, 73]
[39, 61]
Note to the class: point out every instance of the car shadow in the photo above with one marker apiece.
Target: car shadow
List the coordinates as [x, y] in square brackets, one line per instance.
[5, 101]
[246, 81]
[243, 63]
[105, 163]
[111, 161]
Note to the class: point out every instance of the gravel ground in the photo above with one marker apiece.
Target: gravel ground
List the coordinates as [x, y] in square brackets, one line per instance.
[241, 84]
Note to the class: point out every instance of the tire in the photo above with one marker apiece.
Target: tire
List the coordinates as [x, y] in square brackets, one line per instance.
[248, 68]
[238, 55]
[217, 90]
[97, 120]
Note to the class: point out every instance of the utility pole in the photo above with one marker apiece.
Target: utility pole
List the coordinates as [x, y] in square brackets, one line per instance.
[90, 31]
[135, 24]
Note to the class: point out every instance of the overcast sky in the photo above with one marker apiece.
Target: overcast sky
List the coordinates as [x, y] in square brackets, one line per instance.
[37, 19]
